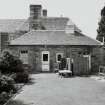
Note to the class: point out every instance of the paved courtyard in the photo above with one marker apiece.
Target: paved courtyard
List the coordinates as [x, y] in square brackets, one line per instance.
[49, 89]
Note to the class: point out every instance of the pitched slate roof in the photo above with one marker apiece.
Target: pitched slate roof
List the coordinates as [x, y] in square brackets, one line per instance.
[50, 23]
[47, 37]
[10, 25]
[54, 23]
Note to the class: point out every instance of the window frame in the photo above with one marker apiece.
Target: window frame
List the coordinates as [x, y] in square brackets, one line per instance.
[23, 52]
[57, 56]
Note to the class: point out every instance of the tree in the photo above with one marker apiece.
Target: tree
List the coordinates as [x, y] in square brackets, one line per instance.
[101, 28]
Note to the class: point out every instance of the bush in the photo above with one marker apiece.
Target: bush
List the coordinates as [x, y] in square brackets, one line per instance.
[21, 77]
[4, 96]
[7, 88]
[7, 84]
[10, 64]
[14, 71]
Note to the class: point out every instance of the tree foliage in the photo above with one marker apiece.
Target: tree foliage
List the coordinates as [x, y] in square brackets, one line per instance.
[101, 28]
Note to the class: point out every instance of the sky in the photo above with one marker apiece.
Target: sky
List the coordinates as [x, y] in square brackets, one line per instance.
[84, 13]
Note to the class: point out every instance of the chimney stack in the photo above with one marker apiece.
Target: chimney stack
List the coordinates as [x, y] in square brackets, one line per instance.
[35, 17]
[44, 13]
[35, 11]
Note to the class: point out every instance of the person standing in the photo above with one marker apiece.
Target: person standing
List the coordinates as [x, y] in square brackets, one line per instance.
[72, 68]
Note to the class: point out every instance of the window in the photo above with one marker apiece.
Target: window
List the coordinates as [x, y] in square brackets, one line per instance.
[59, 56]
[86, 52]
[24, 56]
[45, 57]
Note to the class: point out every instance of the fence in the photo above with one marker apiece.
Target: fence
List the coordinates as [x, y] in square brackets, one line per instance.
[81, 66]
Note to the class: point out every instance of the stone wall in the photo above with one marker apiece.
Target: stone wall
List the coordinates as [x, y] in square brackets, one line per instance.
[34, 53]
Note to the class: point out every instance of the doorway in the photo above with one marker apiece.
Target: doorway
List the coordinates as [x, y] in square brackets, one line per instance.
[45, 61]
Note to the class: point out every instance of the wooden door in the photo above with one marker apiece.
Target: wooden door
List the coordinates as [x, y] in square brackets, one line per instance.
[45, 61]
[81, 65]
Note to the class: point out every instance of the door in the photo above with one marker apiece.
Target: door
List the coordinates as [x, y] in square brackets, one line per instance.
[81, 65]
[45, 61]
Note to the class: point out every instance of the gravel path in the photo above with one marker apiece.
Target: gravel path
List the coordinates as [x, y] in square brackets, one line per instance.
[49, 89]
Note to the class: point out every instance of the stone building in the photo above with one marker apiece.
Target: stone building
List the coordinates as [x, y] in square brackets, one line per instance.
[41, 41]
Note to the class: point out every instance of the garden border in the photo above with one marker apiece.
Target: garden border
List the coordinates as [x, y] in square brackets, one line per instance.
[14, 95]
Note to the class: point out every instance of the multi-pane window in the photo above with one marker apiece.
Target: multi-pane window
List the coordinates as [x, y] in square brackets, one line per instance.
[24, 56]
[59, 56]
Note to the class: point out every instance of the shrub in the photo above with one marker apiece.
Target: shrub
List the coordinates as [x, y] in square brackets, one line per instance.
[10, 64]
[7, 84]
[4, 96]
[21, 77]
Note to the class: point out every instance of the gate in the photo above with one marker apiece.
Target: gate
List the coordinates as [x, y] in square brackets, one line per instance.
[81, 65]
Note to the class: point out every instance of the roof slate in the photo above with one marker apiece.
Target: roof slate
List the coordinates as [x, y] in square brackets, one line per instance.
[10, 25]
[50, 23]
[47, 37]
